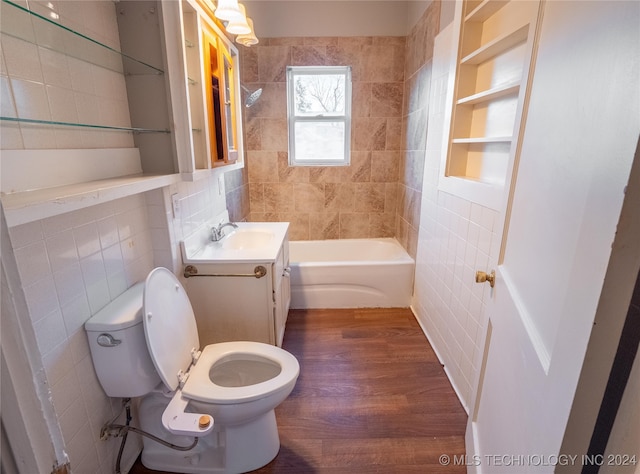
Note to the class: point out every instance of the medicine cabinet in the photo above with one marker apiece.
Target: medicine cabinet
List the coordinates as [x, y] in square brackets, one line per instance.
[490, 82]
[220, 99]
[211, 83]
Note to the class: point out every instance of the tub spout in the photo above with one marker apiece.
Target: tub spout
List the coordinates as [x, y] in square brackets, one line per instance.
[216, 232]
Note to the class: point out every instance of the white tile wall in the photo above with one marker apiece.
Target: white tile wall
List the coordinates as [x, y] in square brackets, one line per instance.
[71, 266]
[456, 238]
[40, 83]
[199, 202]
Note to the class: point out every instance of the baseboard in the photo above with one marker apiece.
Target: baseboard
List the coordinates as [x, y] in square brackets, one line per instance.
[441, 360]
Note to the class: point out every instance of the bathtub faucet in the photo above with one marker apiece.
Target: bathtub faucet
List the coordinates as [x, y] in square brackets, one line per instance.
[216, 232]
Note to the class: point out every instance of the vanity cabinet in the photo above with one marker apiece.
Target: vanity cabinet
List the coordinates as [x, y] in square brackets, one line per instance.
[231, 306]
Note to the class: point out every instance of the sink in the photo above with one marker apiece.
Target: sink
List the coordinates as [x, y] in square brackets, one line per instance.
[242, 239]
[249, 242]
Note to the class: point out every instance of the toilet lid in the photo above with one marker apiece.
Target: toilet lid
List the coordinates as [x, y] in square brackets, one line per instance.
[169, 325]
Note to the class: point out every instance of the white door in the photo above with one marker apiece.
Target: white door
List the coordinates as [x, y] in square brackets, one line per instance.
[581, 132]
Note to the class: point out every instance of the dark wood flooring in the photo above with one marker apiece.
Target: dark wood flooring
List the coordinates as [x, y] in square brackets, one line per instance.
[371, 398]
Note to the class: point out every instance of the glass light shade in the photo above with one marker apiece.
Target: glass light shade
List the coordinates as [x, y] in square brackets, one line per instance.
[228, 10]
[250, 38]
[239, 26]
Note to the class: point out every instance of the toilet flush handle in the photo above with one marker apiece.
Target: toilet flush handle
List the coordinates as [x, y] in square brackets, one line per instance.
[107, 340]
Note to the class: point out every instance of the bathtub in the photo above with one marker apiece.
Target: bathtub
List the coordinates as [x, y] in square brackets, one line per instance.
[350, 273]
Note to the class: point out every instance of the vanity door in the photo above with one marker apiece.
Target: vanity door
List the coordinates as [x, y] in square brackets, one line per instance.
[281, 292]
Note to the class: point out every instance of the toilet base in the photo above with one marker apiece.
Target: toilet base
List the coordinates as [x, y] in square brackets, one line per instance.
[227, 449]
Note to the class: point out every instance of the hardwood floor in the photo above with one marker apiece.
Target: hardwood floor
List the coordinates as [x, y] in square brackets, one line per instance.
[371, 398]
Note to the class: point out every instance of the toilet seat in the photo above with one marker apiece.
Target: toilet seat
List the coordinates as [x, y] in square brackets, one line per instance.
[199, 385]
[169, 326]
[172, 338]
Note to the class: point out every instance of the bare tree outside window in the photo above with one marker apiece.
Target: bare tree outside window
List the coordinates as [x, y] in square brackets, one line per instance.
[321, 93]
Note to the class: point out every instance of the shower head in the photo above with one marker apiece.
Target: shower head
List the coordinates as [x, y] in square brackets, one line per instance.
[253, 97]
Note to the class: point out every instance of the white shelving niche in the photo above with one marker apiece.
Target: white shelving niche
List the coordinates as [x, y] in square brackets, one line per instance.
[490, 83]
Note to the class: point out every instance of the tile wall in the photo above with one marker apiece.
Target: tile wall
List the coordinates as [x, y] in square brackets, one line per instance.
[456, 237]
[236, 185]
[200, 201]
[70, 266]
[73, 264]
[378, 195]
[419, 53]
[39, 83]
[327, 202]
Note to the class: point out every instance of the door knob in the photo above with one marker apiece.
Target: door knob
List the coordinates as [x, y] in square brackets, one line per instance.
[482, 277]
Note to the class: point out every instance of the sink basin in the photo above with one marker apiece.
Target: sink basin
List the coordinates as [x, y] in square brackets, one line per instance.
[243, 239]
[249, 242]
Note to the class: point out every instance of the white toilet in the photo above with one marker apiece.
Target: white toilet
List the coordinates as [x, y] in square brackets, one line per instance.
[145, 343]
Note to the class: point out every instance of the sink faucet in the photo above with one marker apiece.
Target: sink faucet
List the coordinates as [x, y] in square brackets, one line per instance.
[216, 232]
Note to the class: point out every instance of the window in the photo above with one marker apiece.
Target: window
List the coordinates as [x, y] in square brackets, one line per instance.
[319, 111]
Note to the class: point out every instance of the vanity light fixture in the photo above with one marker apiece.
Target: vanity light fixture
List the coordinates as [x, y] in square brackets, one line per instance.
[228, 10]
[239, 25]
[234, 17]
[250, 38]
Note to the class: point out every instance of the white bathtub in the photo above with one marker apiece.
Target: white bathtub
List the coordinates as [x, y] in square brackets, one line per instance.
[350, 273]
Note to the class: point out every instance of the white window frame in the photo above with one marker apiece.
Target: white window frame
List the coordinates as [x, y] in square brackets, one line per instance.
[292, 72]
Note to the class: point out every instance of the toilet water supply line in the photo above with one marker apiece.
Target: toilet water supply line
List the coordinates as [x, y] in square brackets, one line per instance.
[116, 430]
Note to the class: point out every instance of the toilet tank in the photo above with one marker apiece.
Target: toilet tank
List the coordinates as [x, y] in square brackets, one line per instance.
[119, 348]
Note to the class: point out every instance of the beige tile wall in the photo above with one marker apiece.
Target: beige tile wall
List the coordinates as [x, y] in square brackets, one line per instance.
[379, 194]
[418, 65]
[327, 202]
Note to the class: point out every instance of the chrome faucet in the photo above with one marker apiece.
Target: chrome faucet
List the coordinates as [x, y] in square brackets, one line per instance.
[216, 232]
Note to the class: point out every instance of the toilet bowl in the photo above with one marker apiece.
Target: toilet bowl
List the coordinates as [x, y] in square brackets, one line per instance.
[145, 343]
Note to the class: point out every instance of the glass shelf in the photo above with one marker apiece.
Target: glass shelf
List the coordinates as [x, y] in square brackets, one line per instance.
[82, 125]
[24, 24]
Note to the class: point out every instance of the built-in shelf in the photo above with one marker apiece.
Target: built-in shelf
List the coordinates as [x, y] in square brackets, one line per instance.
[41, 183]
[17, 21]
[497, 46]
[28, 206]
[81, 125]
[490, 94]
[483, 140]
[485, 10]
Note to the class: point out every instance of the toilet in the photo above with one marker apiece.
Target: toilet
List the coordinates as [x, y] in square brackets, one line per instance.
[145, 344]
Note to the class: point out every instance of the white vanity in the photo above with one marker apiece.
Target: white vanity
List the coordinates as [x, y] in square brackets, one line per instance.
[239, 286]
